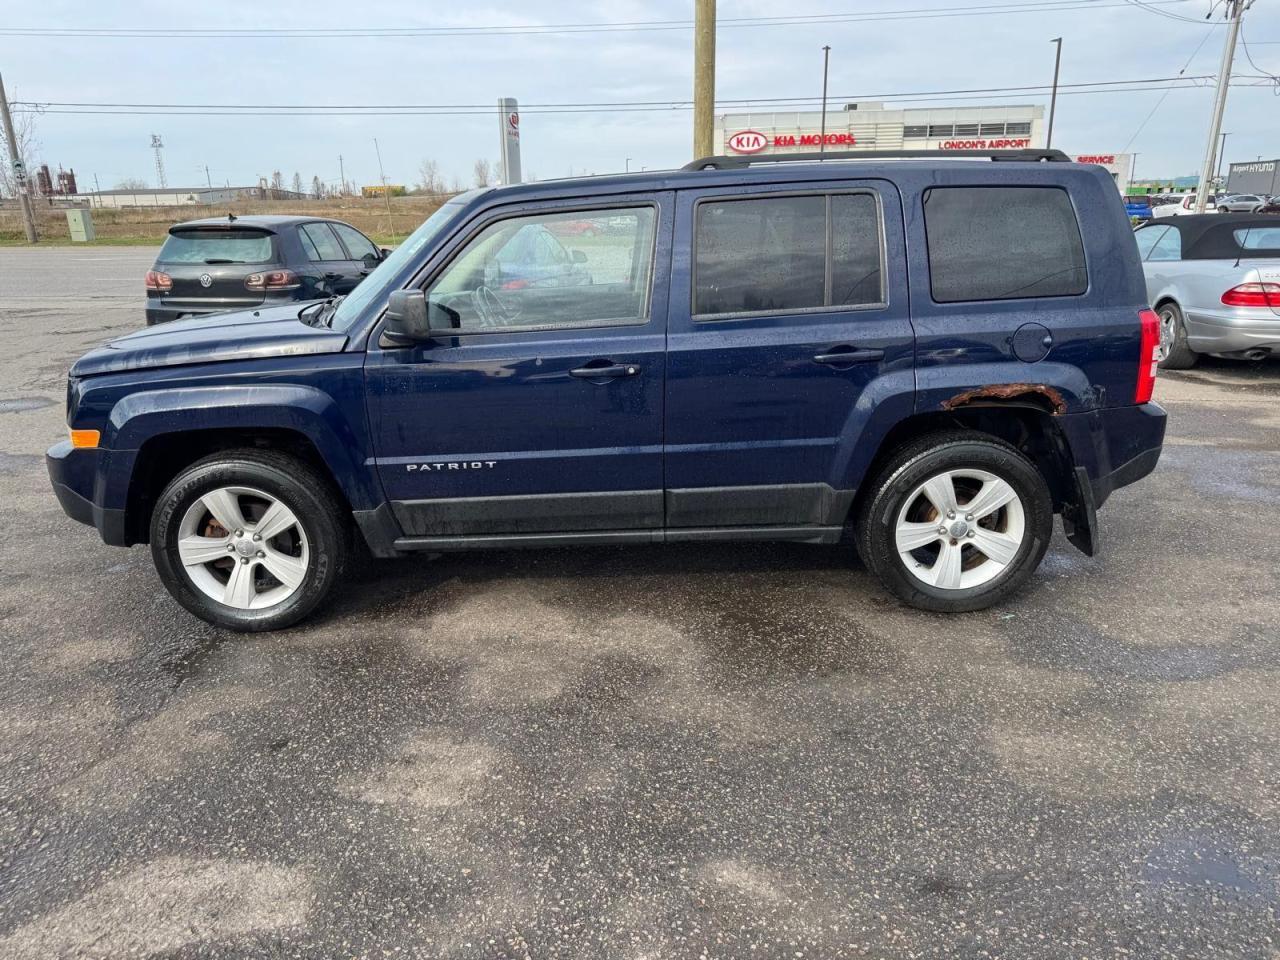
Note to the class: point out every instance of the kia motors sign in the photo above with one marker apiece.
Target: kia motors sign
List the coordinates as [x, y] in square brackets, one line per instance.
[508, 140]
[747, 141]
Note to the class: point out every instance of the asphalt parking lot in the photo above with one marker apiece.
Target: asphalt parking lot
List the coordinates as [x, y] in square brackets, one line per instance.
[668, 752]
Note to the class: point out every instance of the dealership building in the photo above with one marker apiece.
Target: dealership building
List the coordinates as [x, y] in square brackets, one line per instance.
[869, 126]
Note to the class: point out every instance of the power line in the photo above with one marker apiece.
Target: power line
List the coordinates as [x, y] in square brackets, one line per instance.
[1164, 96]
[918, 13]
[235, 109]
[1149, 6]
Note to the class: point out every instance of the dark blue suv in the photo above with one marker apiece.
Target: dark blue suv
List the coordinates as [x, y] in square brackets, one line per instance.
[931, 355]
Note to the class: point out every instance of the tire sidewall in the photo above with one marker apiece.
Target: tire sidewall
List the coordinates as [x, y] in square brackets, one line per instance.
[1180, 356]
[314, 516]
[993, 458]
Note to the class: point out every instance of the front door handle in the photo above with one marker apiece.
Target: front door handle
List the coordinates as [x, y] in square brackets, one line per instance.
[606, 371]
[333, 276]
[848, 356]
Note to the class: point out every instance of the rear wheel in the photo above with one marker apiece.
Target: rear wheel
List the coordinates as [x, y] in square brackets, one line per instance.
[1172, 352]
[955, 522]
[248, 539]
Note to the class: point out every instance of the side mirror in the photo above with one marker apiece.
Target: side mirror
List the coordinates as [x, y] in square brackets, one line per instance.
[577, 256]
[411, 317]
[384, 252]
[371, 259]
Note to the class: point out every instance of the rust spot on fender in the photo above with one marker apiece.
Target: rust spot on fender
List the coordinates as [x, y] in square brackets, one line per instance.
[1007, 391]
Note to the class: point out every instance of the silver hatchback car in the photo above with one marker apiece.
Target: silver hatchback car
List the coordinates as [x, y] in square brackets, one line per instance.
[1214, 281]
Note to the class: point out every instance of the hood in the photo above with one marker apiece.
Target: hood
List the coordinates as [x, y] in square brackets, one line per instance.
[238, 335]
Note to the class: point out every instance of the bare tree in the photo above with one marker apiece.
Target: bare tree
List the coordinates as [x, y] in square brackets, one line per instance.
[483, 173]
[317, 188]
[277, 182]
[297, 183]
[429, 179]
[455, 184]
[24, 132]
[131, 183]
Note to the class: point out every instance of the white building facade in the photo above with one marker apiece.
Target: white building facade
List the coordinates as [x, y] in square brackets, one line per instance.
[869, 126]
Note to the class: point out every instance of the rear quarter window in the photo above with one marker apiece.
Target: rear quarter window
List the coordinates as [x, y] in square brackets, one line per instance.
[1002, 243]
[221, 246]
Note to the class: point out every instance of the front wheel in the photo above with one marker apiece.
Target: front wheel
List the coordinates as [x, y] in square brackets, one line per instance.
[248, 539]
[955, 522]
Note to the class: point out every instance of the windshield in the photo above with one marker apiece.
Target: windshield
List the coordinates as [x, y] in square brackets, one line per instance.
[378, 284]
[216, 246]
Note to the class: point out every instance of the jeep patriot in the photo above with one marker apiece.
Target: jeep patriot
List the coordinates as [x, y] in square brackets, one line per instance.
[932, 356]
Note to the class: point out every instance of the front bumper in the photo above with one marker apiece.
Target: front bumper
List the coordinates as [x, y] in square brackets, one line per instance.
[73, 473]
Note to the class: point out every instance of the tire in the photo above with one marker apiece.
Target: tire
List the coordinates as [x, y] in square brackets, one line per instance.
[1224, 210]
[969, 461]
[1173, 335]
[307, 543]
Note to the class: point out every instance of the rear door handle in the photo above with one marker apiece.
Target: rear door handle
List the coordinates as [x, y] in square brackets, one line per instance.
[848, 356]
[608, 372]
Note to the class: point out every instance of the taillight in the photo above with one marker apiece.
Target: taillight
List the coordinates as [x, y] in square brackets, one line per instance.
[1253, 295]
[273, 280]
[1147, 362]
[159, 281]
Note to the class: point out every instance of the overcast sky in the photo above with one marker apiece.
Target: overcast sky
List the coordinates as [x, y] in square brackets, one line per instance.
[1107, 40]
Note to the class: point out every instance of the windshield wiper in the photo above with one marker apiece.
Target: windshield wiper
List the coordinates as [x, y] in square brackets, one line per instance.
[217, 260]
[320, 313]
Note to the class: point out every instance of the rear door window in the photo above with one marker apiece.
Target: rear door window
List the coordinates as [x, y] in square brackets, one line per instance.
[782, 254]
[216, 246]
[320, 243]
[1002, 243]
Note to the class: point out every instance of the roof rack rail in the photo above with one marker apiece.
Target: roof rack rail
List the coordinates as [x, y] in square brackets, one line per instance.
[740, 163]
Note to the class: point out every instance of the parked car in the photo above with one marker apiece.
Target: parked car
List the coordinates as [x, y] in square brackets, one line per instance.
[1214, 281]
[230, 263]
[1138, 206]
[1271, 206]
[1240, 203]
[934, 355]
[1185, 204]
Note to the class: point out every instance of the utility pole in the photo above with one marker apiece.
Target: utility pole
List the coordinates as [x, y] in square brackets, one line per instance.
[19, 170]
[342, 175]
[826, 60]
[1222, 149]
[704, 75]
[1053, 99]
[1235, 10]
[97, 189]
[208, 179]
[386, 191]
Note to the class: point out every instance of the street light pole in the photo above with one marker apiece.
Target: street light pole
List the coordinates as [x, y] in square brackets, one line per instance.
[1053, 98]
[1235, 10]
[826, 60]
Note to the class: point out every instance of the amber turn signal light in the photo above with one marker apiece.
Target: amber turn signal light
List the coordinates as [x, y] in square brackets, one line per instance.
[85, 438]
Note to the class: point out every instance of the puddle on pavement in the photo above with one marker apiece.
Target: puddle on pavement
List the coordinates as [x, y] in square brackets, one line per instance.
[23, 404]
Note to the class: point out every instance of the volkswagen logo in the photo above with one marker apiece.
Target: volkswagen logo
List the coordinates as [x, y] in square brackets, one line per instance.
[206, 280]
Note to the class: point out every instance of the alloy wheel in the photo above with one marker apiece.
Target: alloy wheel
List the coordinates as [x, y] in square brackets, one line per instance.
[960, 529]
[243, 547]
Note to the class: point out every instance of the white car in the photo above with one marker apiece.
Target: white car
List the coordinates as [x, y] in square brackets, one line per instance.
[1186, 204]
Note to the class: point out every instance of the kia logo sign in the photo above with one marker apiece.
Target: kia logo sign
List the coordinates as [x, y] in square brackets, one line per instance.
[514, 119]
[747, 141]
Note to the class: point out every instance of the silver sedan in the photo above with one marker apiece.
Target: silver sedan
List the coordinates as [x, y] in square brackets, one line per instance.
[1241, 203]
[1214, 281]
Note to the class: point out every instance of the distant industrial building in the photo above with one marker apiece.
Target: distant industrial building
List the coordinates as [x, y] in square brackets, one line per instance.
[183, 196]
